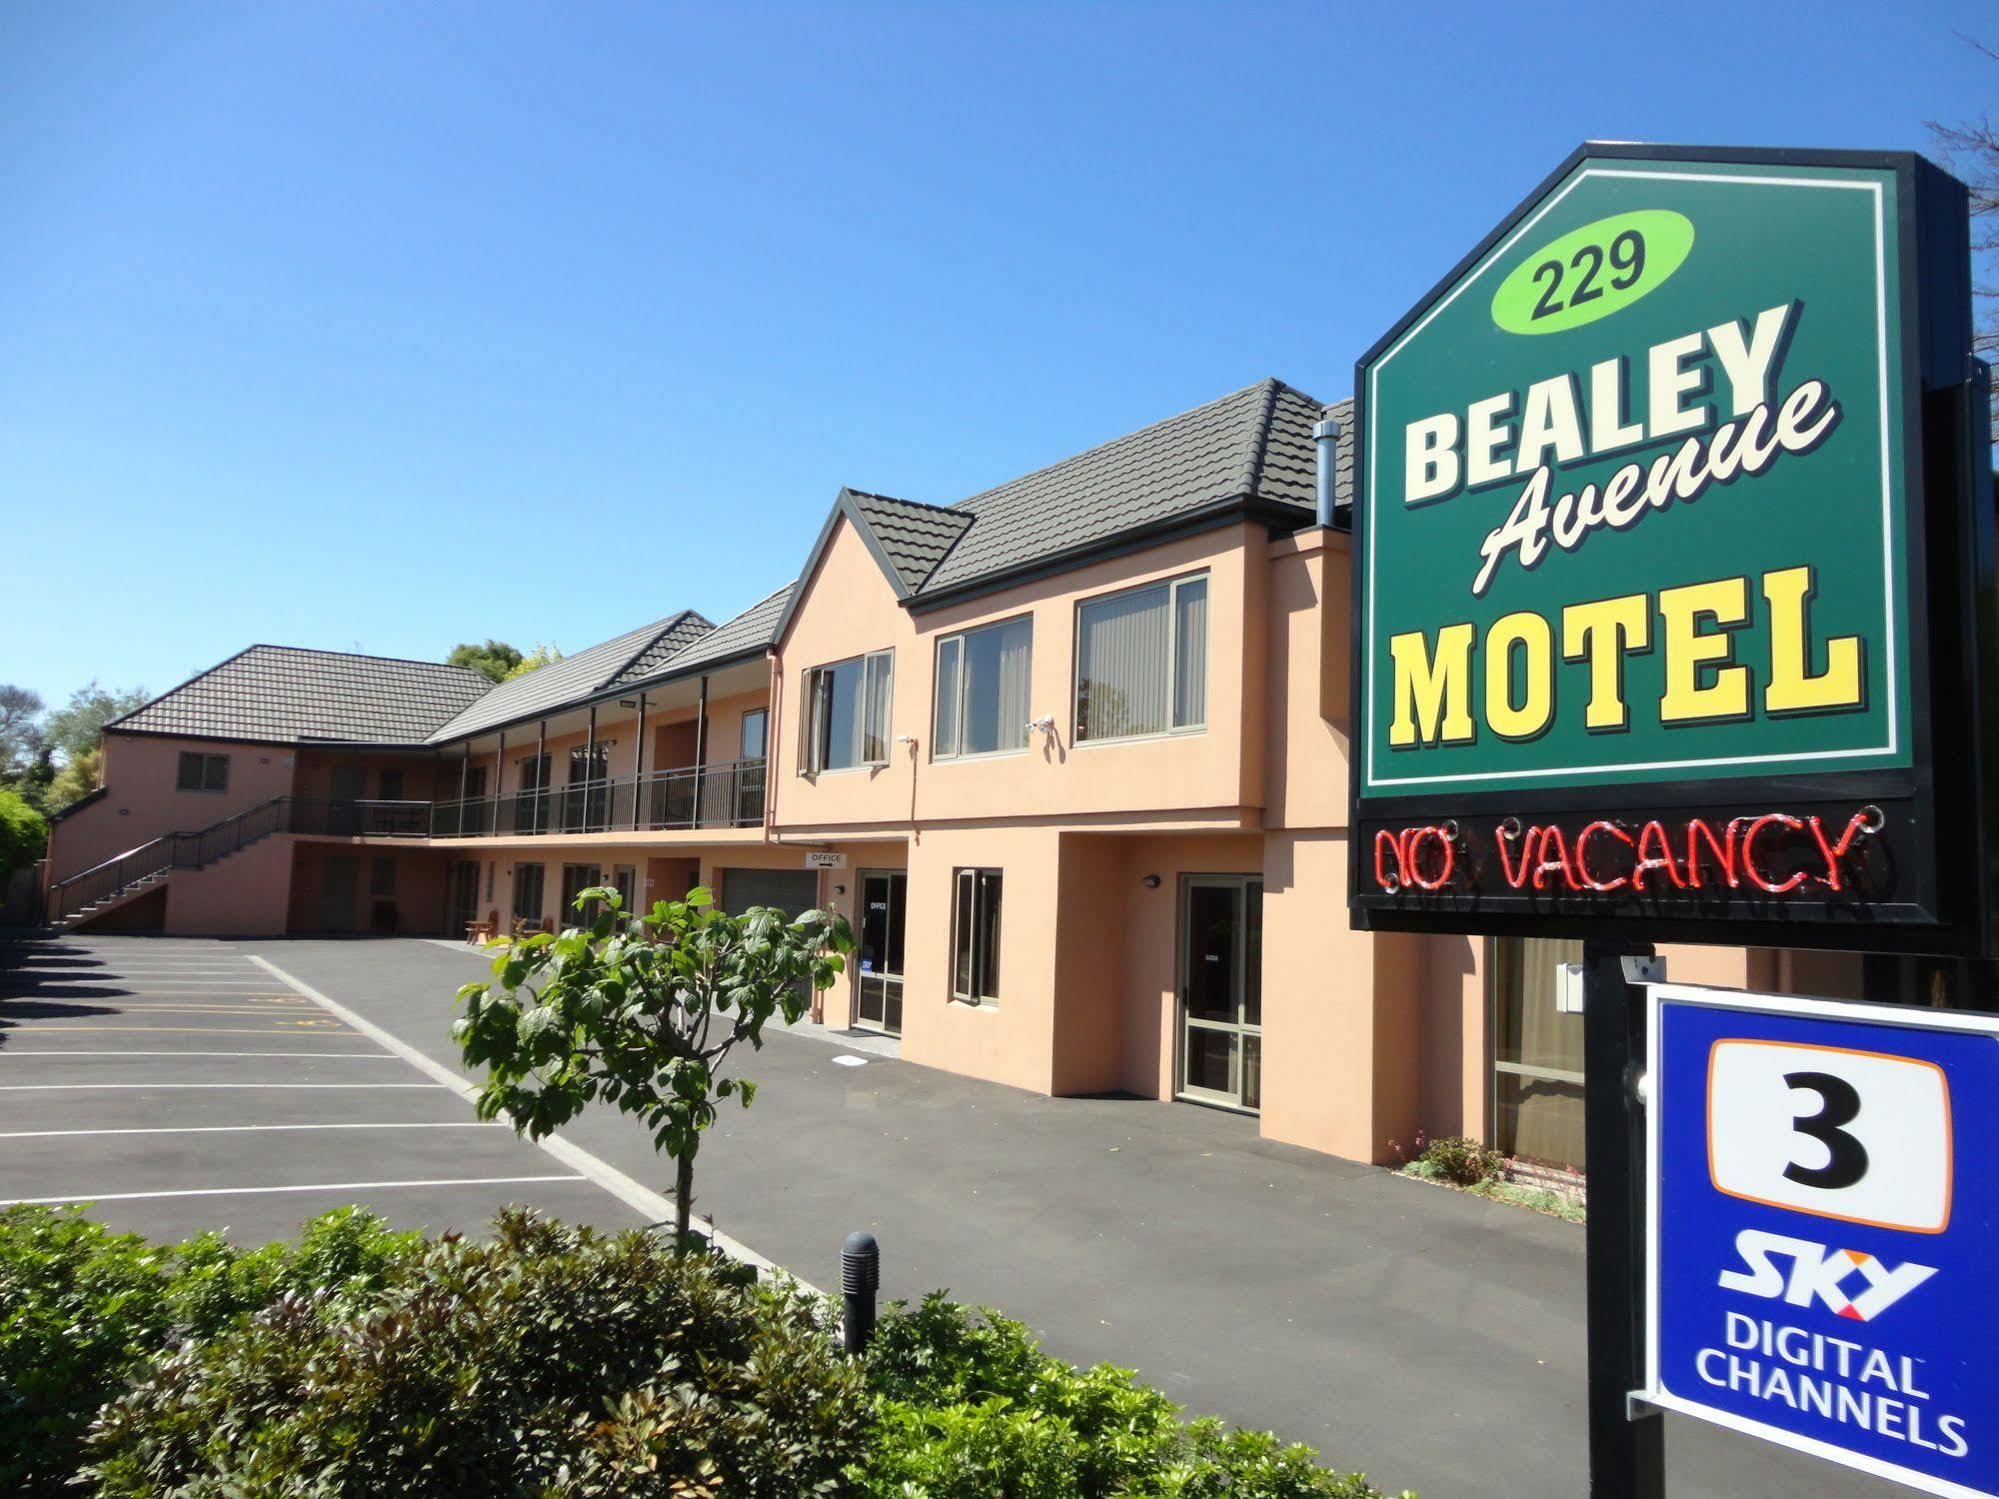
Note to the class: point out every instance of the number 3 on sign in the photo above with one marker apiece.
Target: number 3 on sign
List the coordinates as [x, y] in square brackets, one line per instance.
[1862, 1136]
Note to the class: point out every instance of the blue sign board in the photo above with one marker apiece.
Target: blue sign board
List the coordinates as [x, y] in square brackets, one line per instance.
[1822, 1208]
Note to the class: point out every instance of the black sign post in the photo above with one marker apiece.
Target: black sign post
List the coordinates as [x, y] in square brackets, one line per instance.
[1626, 1451]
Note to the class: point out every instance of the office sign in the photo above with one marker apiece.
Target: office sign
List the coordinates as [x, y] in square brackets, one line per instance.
[1823, 1227]
[1647, 553]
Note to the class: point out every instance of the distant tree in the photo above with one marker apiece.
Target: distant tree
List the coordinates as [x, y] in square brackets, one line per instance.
[23, 832]
[495, 660]
[540, 656]
[1972, 149]
[20, 726]
[76, 780]
[73, 729]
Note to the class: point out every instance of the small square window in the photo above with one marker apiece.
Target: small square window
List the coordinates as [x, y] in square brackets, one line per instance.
[199, 772]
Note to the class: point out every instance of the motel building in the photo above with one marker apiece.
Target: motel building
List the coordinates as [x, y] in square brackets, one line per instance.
[1070, 754]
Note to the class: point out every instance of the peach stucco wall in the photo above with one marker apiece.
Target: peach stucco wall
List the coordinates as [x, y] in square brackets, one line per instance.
[244, 895]
[142, 799]
[847, 609]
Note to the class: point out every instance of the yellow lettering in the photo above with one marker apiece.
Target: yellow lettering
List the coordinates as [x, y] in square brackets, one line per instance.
[1794, 688]
[1604, 631]
[1432, 695]
[1527, 635]
[1691, 650]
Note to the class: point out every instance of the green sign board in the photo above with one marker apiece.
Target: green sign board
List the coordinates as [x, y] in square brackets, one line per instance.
[1641, 531]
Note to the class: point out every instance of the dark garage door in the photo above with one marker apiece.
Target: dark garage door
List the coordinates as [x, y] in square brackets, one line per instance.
[792, 891]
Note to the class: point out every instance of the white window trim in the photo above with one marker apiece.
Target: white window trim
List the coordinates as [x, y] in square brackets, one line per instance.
[811, 716]
[936, 658]
[970, 1001]
[1172, 586]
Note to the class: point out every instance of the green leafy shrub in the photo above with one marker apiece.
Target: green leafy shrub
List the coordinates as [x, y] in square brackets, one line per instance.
[1459, 1160]
[968, 1406]
[24, 832]
[82, 1308]
[552, 1361]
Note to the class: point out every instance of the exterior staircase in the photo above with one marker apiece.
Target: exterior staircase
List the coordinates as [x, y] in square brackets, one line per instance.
[86, 896]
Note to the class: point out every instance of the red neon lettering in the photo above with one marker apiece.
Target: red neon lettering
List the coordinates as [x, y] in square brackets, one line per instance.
[1414, 862]
[1516, 875]
[1654, 833]
[1698, 829]
[1749, 852]
[1560, 861]
[1582, 855]
[1835, 852]
[1381, 876]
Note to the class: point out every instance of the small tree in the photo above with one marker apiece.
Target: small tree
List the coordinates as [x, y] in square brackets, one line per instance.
[640, 1012]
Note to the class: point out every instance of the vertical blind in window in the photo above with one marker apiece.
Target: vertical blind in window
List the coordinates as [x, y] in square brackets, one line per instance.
[1142, 661]
[982, 688]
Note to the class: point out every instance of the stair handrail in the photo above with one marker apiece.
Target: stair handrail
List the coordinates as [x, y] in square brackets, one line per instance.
[58, 891]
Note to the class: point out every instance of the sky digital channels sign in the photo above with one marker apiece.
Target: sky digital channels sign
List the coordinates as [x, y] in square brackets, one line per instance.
[1645, 588]
[1820, 1223]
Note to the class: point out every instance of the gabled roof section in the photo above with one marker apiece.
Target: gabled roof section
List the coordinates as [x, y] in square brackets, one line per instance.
[913, 537]
[571, 680]
[283, 694]
[750, 632]
[1252, 446]
[686, 629]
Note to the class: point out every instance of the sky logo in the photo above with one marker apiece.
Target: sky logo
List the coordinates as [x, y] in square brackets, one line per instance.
[1820, 1273]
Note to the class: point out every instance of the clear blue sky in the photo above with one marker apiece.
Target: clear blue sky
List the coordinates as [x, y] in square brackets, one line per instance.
[386, 326]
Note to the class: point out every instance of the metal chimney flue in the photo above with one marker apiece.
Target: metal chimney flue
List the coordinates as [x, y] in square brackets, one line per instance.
[1326, 435]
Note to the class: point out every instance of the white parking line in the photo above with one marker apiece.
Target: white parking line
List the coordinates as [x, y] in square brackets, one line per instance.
[100, 1087]
[466, 1181]
[15, 1054]
[234, 1129]
[641, 1198]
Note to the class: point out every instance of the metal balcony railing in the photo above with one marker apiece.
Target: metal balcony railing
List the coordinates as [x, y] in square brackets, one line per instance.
[726, 795]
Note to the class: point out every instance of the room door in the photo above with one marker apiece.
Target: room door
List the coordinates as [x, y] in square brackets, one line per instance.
[1221, 990]
[878, 999]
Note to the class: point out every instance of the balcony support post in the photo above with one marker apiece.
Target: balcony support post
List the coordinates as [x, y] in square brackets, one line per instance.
[700, 746]
[639, 764]
[541, 779]
[499, 779]
[589, 767]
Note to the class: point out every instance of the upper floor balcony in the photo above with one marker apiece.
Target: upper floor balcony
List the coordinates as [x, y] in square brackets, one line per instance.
[725, 795]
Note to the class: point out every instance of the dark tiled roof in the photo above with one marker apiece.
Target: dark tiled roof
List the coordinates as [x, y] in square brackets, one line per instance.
[560, 683]
[684, 632]
[752, 630]
[1255, 444]
[284, 694]
[915, 536]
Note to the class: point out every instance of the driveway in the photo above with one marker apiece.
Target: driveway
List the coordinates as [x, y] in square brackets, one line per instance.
[1433, 1339]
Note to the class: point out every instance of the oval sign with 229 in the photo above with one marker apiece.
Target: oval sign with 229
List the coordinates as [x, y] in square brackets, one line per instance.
[1591, 272]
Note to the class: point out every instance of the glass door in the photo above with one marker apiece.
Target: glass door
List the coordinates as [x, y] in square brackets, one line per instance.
[878, 998]
[1221, 990]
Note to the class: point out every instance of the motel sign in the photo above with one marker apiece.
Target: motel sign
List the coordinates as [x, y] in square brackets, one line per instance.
[1675, 621]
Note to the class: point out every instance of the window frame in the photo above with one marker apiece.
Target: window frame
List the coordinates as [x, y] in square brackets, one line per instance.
[866, 661]
[958, 638]
[382, 877]
[1172, 586]
[204, 780]
[985, 966]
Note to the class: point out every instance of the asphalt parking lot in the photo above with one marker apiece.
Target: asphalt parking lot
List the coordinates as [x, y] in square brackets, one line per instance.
[178, 1085]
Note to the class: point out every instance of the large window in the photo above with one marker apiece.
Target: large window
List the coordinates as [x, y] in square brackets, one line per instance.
[848, 725]
[1142, 661]
[975, 936]
[203, 772]
[982, 690]
[1538, 1054]
[527, 892]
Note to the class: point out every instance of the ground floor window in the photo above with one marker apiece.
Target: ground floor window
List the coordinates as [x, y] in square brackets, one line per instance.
[576, 878]
[1537, 1054]
[382, 875]
[975, 936]
[527, 892]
